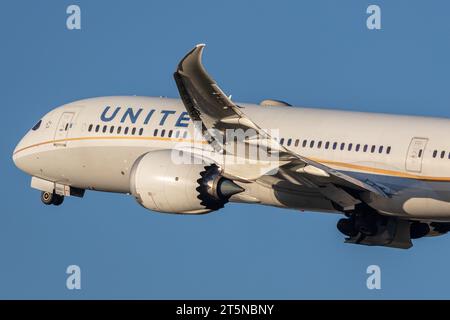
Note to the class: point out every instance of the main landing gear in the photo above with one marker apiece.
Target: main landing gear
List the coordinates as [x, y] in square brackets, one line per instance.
[49, 198]
[369, 225]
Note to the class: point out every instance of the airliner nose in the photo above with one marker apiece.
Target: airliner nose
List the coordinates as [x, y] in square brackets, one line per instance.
[16, 157]
[21, 155]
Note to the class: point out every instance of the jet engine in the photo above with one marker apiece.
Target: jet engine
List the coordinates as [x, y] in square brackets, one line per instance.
[160, 184]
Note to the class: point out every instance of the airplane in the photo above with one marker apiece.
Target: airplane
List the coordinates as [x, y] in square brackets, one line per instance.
[388, 176]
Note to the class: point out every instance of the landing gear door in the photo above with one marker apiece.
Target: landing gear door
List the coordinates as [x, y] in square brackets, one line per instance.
[415, 154]
[62, 130]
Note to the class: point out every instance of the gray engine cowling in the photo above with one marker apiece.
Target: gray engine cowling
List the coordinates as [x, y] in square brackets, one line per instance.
[160, 184]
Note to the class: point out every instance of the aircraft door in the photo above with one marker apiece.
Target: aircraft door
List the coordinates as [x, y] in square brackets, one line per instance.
[415, 154]
[62, 130]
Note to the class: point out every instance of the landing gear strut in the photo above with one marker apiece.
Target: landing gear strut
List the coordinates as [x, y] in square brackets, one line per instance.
[49, 198]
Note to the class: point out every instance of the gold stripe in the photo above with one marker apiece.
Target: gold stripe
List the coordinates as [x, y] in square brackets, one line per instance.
[329, 162]
[381, 171]
[109, 138]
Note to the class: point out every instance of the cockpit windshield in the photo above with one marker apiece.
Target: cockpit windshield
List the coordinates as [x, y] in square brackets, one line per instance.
[37, 125]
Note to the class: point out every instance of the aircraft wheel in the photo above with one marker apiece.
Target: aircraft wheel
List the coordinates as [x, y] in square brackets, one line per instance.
[57, 199]
[419, 230]
[347, 227]
[47, 197]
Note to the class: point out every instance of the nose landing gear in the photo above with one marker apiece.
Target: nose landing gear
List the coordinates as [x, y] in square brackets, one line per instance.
[49, 198]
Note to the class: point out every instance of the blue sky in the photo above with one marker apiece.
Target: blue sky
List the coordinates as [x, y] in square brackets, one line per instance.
[309, 53]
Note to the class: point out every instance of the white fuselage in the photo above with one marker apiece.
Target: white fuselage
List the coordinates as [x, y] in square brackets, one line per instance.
[80, 145]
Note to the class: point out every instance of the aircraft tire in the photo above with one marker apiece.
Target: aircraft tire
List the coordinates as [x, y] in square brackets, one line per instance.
[347, 227]
[47, 197]
[57, 200]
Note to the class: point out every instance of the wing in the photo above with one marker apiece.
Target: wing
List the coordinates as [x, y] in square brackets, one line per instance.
[217, 116]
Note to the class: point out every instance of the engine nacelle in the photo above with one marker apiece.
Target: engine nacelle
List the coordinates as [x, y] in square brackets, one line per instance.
[159, 184]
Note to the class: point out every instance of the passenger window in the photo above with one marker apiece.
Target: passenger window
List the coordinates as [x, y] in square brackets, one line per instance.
[104, 129]
[434, 153]
[388, 150]
[327, 145]
[334, 146]
[119, 129]
[442, 154]
[90, 128]
[155, 133]
[372, 150]
[289, 142]
[311, 144]
[365, 148]
[177, 134]
[133, 131]
[319, 145]
[97, 128]
[297, 142]
[141, 131]
[111, 130]
[170, 133]
[342, 146]
[126, 130]
[281, 141]
[358, 146]
[350, 146]
[185, 134]
[305, 142]
[380, 149]
[163, 132]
